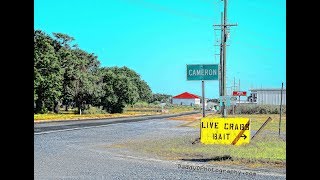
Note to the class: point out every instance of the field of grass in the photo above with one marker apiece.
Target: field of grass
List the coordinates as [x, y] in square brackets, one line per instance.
[267, 149]
[128, 112]
[180, 109]
[57, 117]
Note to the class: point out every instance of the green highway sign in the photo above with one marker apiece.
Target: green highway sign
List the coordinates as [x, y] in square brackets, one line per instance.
[196, 72]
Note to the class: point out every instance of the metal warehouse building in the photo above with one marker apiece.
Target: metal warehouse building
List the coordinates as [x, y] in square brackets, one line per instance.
[267, 96]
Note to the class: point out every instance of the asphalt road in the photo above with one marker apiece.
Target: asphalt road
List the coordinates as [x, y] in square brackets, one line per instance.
[85, 153]
[41, 127]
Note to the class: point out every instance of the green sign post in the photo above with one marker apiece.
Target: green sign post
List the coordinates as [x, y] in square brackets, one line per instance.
[196, 72]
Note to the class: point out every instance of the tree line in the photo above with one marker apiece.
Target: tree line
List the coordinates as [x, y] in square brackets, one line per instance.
[66, 75]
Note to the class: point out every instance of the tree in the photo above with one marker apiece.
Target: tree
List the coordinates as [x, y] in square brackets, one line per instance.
[164, 98]
[63, 39]
[119, 91]
[144, 91]
[109, 99]
[65, 73]
[83, 86]
[47, 73]
[81, 83]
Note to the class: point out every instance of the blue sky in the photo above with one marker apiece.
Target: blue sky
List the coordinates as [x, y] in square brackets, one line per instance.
[157, 38]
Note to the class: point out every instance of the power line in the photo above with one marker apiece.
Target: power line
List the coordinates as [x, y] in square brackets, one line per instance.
[211, 1]
[250, 45]
[162, 8]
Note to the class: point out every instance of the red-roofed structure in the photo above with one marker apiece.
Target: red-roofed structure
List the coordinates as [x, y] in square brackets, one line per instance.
[186, 99]
[185, 95]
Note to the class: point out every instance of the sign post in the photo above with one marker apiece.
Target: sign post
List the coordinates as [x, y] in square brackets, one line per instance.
[202, 72]
[203, 103]
[239, 93]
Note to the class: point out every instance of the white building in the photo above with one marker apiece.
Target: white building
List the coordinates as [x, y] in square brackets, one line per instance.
[186, 99]
[267, 96]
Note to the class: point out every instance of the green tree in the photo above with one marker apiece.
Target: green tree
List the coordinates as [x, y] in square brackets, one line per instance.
[109, 99]
[81, 83]
[84, 85]
[65, 73]
[119, 91]
[47, 73]
[144, 91]
[164, 98]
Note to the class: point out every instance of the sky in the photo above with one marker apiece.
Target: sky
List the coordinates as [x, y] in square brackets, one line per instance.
[158, 38]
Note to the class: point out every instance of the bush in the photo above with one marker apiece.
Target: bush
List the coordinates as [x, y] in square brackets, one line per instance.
[142, 104]
[259, 109]
[94, 110]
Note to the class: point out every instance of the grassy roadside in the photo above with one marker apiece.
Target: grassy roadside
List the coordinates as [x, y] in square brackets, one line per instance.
[266, 150]
[71, 115]
[58, 117]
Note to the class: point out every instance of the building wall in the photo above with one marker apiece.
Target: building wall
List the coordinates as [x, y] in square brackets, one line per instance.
[187, 102]
[271, 97]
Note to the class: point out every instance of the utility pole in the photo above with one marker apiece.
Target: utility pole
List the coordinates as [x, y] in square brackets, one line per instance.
[221, 58]
[224, 109]
[280, 107]
[239, 90]
[234, 88]
[234, 83]
[224, 26]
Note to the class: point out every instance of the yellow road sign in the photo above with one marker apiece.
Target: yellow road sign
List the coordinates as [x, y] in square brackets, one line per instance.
[234, 131]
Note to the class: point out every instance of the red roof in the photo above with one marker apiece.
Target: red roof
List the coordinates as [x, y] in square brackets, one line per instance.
[186, 95]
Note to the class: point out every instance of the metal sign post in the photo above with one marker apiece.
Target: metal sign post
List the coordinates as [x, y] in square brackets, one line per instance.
[196, 72]
[202, 72]
[203, 101]
[280, 107]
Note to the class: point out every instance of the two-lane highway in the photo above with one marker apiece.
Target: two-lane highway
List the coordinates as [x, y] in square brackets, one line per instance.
[54, 126]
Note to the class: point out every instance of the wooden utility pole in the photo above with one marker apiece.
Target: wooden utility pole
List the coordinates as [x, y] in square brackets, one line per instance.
[223, 56]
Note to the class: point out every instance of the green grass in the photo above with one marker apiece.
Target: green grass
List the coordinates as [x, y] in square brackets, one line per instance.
[128, 111]
[44, 117]
[258, 153]
[266, 150]
[179, 109]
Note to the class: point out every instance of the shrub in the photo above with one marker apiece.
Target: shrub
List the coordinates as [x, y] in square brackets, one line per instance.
[258, 109]
[94, 110]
